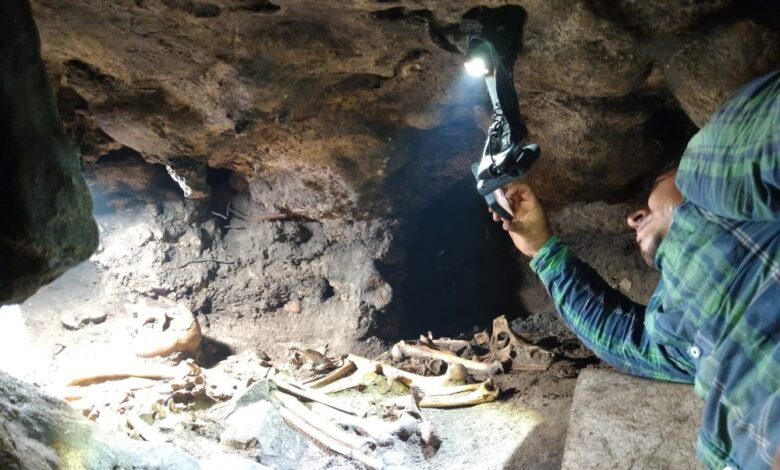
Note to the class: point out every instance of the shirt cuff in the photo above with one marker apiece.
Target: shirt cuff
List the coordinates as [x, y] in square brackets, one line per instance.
[551, 258]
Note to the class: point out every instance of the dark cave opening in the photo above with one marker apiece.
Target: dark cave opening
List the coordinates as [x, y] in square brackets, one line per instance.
[461, 269]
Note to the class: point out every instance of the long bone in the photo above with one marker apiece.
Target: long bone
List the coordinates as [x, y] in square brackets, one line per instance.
[453, 379]
[358, 443]
[485, 393]
[329, 442]
[402, 350]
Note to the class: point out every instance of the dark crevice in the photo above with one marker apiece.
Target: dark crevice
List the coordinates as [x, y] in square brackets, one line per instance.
[261, 6]
[194, 8]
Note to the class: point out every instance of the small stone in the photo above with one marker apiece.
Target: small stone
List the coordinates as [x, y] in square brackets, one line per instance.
[70, 321]
[293, 306]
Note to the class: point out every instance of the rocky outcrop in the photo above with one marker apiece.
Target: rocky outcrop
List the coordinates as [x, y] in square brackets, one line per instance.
[41, 432]
[341, 103]
[45, 208]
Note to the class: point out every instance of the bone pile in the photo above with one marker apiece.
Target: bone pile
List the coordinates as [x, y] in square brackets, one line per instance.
[448, 373]
[379, 400]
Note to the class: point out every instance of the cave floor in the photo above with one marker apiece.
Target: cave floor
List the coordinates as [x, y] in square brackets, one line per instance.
[525, 428]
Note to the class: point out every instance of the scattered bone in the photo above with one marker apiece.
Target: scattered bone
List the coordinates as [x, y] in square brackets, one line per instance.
[119, 372]
[164, 331]
[328, 442]
[455, 375]
[346, 369]
[403, 350]
[486, 393]
[322, 424]
[301, 391]
[147, 432]
[508, 348]
[383, 432]
[429, 435]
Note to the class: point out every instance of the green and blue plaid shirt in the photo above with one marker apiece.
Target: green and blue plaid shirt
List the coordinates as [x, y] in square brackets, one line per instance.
[714, 319]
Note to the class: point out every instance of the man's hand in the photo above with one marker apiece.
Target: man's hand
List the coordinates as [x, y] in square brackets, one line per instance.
[529, 229]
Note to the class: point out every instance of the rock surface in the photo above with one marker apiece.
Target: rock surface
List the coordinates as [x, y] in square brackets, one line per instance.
[333, 109]
[41, 432]
[631, 423]
[45, 208]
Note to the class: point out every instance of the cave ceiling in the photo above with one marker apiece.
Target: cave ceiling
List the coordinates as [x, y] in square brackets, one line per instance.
[329, 108]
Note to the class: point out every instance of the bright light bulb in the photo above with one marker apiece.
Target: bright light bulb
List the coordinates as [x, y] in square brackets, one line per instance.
[476, 67]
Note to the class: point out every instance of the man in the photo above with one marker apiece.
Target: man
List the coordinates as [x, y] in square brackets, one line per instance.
[712, 227]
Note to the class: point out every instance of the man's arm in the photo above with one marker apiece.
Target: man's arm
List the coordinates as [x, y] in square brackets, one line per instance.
[604, 319]
[731, 167]
[608, 322]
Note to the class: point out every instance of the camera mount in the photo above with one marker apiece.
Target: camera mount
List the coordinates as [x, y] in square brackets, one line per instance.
[503, 158]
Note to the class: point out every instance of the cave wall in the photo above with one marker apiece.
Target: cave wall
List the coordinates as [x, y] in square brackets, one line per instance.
[355, 121]
[45, 209]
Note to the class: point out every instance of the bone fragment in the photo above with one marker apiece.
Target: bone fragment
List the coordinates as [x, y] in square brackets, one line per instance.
[404, 426]
[329, 442]
[402, 350]
[509, 348]
[144, 371]
[455, 375]
[301, 391]
[345, 370]
[320, 422]
[148, 433]
[487, 392]
[429, 435]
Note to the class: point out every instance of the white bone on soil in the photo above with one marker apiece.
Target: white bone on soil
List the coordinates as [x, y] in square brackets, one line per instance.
[345, 370]
[455, 376]
[506, 346]
[402, 350]
[327, 441]
[301, 391]
[148, 433]
[380, 430]
[324, 425]
[485, 393]
[124, 371]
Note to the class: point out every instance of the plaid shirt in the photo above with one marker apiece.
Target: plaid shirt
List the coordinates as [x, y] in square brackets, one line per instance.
[714, 319]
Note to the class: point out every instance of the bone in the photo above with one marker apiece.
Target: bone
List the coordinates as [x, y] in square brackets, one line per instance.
[455, 375]
[484, 393]
[345, 370]
[310, 394]
[120, 372]
[384, 432]
[147, 432]
[358, 443]
[327, 441]
[509, 348]
[402, 350]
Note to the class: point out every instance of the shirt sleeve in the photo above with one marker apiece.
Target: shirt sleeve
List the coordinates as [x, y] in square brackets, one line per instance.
[731, 167]
[608, 322]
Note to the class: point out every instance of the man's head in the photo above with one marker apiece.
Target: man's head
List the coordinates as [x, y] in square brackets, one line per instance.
[653, 221]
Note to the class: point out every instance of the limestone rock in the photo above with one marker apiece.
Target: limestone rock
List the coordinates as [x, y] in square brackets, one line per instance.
[259, 425]
[47, 223]
[738, 52]
[41, 432]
